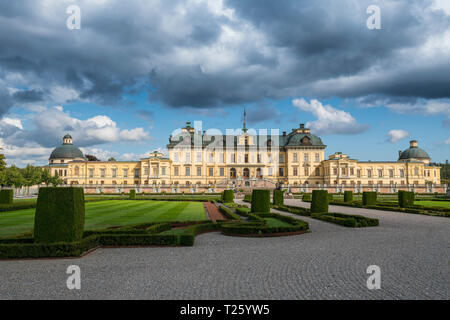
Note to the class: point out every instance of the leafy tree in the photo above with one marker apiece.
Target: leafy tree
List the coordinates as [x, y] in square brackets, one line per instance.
[112, 159]
[46, 177]
[2, 161]
[32, 176]
[56, 180]
[91, 157]
[14, 177]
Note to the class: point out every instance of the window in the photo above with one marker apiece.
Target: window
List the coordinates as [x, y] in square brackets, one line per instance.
[114, 172]
[155, 171]
[281, 158]
[281, 172]
[188, 171]
[317, 157]
[335, 171]
[295, 171]
[402, 173]
[391, 173]
[416, 171]
[199, 157]
[343, 171]
[358, 173]
[102, 172]
[125, 173]
[188, 157]
[146, 171]
[369, 173]
[211, 172]
[380, 173]
[318, 172]
[77, 171]
[306, 157]
[137, 173]
[352, 171]
[258, 158]
[175, 171]
[270, 171]
[246, 158]
[306, 171]
[91, 173]
[163, 171]
[199, 171]
[295, 157]
[222, 172]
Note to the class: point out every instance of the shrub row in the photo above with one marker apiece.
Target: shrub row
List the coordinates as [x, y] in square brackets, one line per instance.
[16, 206]
[295, 210]
[352, 221]
[228, 213]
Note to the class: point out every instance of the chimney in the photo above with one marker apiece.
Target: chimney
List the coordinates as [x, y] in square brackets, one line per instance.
[413, 144]
[284, 133]
[302, 126]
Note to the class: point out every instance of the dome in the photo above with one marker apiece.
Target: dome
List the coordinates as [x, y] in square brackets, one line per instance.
[66, 151]
[414, 152]
[67, 136]
[304, 139]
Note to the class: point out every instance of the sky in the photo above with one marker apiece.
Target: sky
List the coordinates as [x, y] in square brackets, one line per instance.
[135, 71]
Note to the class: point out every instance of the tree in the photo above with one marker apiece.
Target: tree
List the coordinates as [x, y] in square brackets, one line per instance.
[14, 177]
[56, 180]
[91, 157]
[2, 161]
[32, 176]
[112, 159]
[46, 177]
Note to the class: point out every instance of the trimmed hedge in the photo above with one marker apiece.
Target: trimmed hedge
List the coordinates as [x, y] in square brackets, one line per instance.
[261, 201]
[306, 197]
[132, 194]
[59, 215]
[405, 199]
[369, 198]
[16, 206]
[228, 213]
[278, 197]
[319, 202]
[243, 211]
[248, 198]
[348, 196]
[6, 196]
[228, 196]
[347, 220]
[295, 210]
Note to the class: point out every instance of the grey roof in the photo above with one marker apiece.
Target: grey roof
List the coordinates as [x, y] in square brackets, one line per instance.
[414, 153]
[66, 151]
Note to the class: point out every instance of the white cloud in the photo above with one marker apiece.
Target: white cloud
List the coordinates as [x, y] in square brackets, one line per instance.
[397, 135]
[13, 122]
[329, 119]
[100, 153]
[447, 141]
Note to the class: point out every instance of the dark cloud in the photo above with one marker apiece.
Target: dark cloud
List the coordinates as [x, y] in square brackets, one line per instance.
[261, 113]
[199, 55]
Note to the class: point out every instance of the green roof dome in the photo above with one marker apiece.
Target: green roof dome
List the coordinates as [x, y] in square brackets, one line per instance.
[66, 151]
[303, 139]
[413, 152]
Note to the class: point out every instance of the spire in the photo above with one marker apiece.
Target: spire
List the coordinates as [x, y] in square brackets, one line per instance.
[245, 126]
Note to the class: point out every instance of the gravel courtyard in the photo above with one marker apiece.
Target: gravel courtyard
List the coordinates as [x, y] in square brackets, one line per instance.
[328, 263]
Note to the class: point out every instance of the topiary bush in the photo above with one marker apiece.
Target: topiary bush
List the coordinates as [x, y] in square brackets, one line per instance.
[306, 197]
[319, 203]
[405, 199]
[59, 215]
[261, 201]
[369, 198]
[348, 196]
[132, 194]
[228, 196]
[6, 196]
[278, 198]
[330, 197]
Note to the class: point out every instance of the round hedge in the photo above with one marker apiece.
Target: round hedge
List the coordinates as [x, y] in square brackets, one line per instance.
[261, 201]
[319, 203]
[278, 198]
[348, 196]
[228, 196]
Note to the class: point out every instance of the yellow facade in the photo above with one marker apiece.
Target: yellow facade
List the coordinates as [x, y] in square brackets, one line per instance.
[197, 162]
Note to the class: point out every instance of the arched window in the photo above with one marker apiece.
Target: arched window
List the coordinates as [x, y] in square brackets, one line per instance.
[77, 171]
[246, 173]
[233, 173]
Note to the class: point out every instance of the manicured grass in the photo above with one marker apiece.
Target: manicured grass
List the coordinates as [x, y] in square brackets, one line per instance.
[111, 213]
[442, 204]
[275, 223]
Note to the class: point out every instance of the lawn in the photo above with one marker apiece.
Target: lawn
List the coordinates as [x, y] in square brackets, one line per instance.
[442, 204]
[110, 213]
[275, 223]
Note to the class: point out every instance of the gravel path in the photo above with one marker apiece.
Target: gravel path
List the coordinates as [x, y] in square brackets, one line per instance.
[328, 263]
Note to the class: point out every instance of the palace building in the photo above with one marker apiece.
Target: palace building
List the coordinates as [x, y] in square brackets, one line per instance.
[199, 162]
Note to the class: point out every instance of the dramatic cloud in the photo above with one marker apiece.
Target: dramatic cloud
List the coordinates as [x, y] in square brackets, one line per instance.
[329, 119]
[397, 135]
[203, 54]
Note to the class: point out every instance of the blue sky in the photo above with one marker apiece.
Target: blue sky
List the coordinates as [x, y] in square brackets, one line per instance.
[122, 88]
